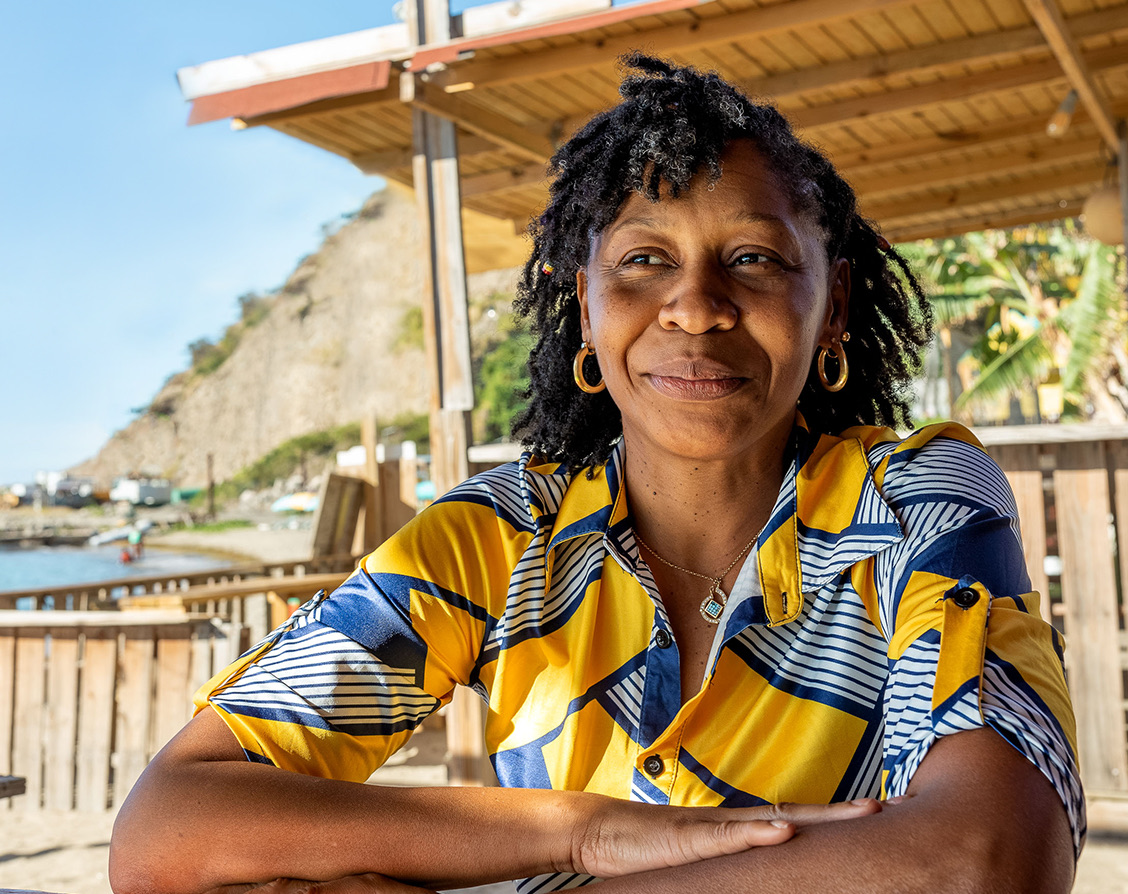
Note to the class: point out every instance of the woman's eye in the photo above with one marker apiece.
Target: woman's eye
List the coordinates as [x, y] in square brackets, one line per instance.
[643, 258]
[752, 257]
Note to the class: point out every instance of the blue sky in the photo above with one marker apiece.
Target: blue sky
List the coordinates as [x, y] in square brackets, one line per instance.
[125, 234]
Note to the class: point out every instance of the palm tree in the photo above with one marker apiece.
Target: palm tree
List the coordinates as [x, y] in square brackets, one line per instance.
[1044, 302]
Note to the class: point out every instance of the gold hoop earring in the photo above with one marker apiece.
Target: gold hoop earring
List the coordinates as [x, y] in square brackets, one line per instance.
[578, 371]
[839, 354]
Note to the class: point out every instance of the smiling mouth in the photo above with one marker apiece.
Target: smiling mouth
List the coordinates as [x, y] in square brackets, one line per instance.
[696, 388]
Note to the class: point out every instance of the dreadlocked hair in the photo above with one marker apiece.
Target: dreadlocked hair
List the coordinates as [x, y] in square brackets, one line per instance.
[673, 124]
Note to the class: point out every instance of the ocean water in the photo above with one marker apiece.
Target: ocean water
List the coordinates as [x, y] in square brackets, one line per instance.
[48, 566]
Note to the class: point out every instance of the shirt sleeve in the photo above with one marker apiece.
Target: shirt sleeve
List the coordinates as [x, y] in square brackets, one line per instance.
[343, 683]
[967, 644]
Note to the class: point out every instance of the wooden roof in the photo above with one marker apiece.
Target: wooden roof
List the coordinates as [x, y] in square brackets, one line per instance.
[936, 110]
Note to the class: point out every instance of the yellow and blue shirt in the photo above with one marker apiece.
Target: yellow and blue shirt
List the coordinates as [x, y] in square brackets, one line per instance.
[885, 604]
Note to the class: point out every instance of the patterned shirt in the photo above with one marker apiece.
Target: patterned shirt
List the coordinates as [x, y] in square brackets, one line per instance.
[885, 604]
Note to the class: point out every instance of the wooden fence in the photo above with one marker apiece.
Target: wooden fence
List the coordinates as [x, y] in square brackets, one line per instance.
[1071, 487]
[89, 697]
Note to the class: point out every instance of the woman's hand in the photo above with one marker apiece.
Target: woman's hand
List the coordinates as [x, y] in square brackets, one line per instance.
[625, 837]
[368, 883]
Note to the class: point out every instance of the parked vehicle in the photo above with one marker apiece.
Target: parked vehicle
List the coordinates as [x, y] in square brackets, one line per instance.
[142, 491]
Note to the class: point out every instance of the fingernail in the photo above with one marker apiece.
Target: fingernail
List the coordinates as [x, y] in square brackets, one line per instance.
[862, 802]
[781, 824]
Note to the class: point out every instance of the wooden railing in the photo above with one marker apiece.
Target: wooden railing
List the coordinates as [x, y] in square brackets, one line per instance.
[104, 595]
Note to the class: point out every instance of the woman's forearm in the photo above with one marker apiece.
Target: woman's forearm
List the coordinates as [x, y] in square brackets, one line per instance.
[196, 826]
[201, 817]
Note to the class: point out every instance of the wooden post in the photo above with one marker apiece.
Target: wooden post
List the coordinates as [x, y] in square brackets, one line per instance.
[372, 522]
[211, 487]
[447, 334]
[1091, 614]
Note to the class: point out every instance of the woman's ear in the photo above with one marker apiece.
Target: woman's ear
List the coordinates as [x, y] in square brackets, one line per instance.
[581, 295]
[838, 304]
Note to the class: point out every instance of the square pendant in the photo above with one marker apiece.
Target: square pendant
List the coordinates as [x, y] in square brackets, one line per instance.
[712, 609]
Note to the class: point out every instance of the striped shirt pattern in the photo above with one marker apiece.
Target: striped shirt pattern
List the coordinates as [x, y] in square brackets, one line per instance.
[842, 654]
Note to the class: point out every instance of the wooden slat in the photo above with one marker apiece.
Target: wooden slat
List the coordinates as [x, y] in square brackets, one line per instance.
[133, 709]
[173, 707]
[61, 720]
[1118, 463]
[27, 738]
[1022, 466]
[1089, 595]
[7, 697]
[96, 718]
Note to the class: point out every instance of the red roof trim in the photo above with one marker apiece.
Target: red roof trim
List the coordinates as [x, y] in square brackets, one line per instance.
[276, 96]
[449, 52]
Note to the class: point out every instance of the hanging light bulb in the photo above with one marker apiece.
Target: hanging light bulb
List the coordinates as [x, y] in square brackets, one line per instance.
[1059, 120]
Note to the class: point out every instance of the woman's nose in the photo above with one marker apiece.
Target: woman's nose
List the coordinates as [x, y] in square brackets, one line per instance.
[698, 303]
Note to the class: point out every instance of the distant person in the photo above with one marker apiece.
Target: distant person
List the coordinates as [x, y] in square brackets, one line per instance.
[717, 612]
[136, 542]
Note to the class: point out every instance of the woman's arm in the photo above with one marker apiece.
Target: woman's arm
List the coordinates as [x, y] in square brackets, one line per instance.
[202, 816]
[979, 817]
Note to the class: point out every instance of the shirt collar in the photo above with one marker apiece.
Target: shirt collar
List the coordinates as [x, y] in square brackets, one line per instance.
[829, 515]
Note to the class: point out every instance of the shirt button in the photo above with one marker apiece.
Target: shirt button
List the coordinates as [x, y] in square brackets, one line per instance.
[653, 765]
[965, 597]
[662, 639]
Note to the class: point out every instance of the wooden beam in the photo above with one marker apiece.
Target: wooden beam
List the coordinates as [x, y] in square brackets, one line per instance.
[920, 59]
[498, 181]
[972, 196]
[982, 221]
[952, 141]
[960, 171]
[520, 140]
[949, 90]
[1049, 20]
[664, 40]
[384, 160]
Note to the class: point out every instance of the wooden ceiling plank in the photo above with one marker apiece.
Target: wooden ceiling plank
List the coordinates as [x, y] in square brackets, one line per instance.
[948, 90]
[688, 34]
[979, 194]
[388, 96]
[968, 49]
[1050, 22]
[522, 141]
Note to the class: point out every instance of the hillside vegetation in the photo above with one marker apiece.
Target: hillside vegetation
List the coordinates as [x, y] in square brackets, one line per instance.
[341, 340]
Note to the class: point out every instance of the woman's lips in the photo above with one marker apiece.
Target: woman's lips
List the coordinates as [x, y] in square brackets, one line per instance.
[695, 388]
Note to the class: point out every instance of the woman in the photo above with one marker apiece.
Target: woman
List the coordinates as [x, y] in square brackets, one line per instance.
[715, 583]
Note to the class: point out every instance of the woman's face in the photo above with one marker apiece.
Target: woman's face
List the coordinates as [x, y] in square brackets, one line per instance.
[706, 311]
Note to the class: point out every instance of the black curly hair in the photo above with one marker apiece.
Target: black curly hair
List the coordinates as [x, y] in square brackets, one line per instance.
[673, 123]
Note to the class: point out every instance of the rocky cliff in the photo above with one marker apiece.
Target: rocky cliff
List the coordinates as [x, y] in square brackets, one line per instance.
[341, 340]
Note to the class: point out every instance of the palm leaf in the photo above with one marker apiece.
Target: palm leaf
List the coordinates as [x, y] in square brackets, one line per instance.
[1025, 363]
[1089, 316]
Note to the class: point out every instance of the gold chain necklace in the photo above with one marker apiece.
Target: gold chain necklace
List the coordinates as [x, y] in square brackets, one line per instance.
[713, 605]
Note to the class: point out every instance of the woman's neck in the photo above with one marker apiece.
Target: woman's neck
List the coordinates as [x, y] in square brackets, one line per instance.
[700, 513]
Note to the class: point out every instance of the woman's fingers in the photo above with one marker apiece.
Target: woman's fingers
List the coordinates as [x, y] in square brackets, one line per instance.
[638, 838]
[812, 814]
[367, 883]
